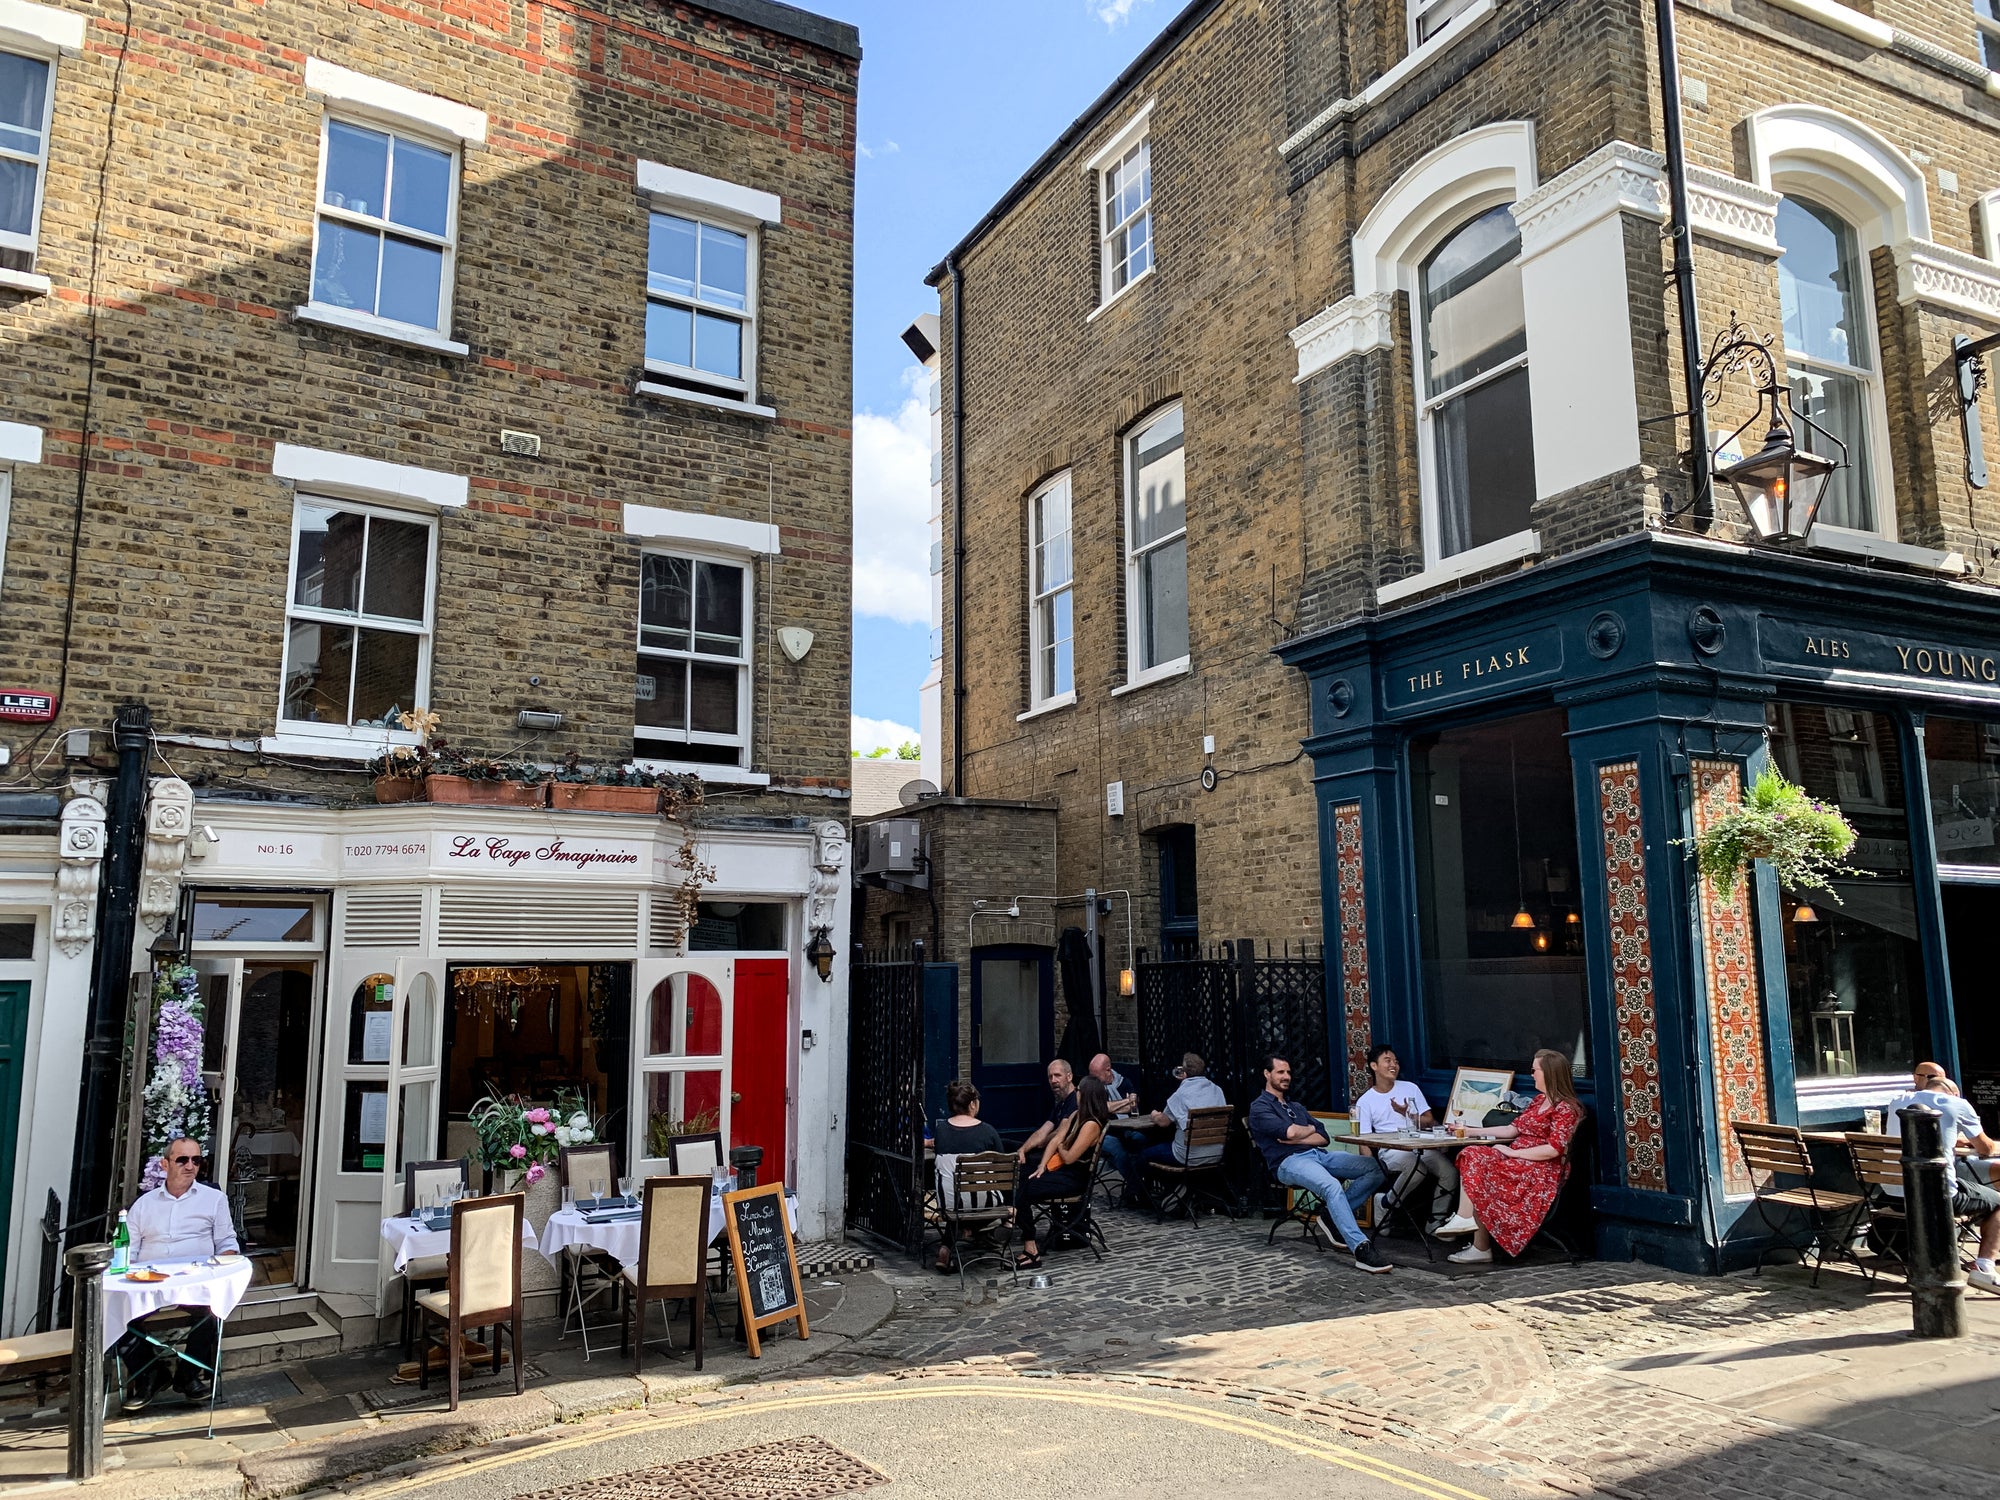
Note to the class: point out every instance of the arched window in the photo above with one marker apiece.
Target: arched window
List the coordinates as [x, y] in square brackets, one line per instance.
[1829, 351]
[1474, 382]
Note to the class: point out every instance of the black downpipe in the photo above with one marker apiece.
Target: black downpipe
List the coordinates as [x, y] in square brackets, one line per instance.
[1701, 499]
[110, 978]
[957, 527]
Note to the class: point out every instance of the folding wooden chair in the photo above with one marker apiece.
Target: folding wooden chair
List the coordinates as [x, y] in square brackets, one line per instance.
[1070, 1218]
[982, 1188]
[1775, 1151]
[692, 1155]
[483, 1287]
[673, 1249]
[1207, 1141]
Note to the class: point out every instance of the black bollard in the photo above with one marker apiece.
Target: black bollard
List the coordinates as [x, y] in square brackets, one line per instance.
[86, 1359]
[1937, 1289]
[743, 1160]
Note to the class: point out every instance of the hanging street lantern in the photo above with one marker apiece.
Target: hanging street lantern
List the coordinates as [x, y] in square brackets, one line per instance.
[819, 953]
[1781, 486]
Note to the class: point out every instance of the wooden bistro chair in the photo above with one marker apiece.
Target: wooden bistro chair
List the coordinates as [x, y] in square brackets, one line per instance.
[1779, 1151]
[982, 1192]
[1878, 1166]
[422, 1180]
[672, 1264]
[588, 1274]
[1207, 1137]
[483, 1287]
[689, 1155]
[1070, 1219]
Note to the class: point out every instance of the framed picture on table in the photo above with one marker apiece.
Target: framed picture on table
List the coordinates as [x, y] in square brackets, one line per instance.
[1474, 1091]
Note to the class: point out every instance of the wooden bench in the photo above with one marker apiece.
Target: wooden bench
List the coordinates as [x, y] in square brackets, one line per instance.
[35, 1356]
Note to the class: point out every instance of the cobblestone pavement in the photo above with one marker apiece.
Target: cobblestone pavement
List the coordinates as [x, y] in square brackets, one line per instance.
[1598, 1378]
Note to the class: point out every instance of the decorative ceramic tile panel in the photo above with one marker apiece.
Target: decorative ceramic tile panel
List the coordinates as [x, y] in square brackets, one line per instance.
[1354, 997]
[1735, 993]
[1632, 999]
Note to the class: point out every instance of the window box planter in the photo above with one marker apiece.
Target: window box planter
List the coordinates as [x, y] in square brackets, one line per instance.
[581, 796]
[482, 793]
[399, 789]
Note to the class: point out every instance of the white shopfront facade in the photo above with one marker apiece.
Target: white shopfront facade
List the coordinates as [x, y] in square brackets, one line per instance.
[334, 949]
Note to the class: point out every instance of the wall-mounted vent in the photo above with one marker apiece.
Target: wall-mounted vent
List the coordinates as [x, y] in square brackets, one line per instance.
[383, 919]
[664, 935]
[541, 919]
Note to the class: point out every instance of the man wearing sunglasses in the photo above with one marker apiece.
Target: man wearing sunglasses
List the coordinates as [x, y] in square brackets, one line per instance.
[1973, 1196]
[178, 1222]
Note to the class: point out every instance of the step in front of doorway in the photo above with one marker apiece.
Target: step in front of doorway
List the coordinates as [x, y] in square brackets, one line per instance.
[832, 1258]
[276, 1329]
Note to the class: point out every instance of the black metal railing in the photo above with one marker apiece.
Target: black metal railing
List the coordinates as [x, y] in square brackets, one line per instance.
[885, 1092]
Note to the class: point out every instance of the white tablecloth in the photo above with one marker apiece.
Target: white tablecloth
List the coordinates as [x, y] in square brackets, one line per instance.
[412, 1241]
[218, 1288]
[619, 1238]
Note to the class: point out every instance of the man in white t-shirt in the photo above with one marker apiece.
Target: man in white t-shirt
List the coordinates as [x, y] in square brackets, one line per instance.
[1393, 1104]
[1972, 1195]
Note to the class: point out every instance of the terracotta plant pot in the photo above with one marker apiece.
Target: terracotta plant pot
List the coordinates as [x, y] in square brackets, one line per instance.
[398, 788]
[585, 797]
[462, 789]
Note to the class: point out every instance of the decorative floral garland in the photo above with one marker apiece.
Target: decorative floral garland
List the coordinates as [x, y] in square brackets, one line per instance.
[176, 1100]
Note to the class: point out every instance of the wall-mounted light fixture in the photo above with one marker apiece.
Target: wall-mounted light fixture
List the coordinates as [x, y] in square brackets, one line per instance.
[1781, 485]
[819, 953]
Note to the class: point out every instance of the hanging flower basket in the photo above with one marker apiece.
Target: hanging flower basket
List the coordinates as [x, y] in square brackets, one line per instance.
[1805, 840]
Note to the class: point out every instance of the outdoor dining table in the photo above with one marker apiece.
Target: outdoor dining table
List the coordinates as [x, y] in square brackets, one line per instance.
[217, 1286]
[414, 1239]
[617, 1233]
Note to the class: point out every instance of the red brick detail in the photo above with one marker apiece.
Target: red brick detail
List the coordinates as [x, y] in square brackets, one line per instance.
[1735, 993]
[1634, 1005]
[1352, 893]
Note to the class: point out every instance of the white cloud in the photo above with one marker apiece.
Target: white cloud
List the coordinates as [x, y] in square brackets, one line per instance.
[1115, 12]
[892, 501]
[870, 734]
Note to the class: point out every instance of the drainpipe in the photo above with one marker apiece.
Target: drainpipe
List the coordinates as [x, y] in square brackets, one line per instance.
[957, 526]
[1701, 502]
[110, 977]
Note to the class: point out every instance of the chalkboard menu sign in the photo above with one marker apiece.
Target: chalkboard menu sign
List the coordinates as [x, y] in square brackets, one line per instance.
[766, 1266]
[1982, 1090]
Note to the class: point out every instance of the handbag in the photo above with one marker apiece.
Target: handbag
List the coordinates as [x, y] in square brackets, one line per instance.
[1054, 1163]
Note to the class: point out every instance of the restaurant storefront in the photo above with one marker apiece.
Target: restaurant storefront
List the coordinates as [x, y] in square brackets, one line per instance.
[368, 975]
[1508, 782]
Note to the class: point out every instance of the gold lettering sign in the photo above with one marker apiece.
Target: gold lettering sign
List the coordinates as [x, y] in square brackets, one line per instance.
[1943, 661]
[1470, 669]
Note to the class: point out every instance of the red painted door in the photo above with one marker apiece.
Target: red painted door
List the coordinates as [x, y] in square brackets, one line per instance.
[758, 1061]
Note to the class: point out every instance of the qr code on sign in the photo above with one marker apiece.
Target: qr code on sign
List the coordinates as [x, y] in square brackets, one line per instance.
[771, 1287]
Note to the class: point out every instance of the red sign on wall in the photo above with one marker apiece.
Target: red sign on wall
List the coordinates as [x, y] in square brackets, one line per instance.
[24, 707]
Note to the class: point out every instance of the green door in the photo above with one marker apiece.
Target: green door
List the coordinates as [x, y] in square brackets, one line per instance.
[13, 1058]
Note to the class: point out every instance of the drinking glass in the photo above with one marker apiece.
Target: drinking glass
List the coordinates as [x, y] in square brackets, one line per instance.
[569, 1195]
[597, 1188]
[625, 1187]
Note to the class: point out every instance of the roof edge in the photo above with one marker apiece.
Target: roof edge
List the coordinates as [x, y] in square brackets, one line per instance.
[1172, 36]
[788, 20]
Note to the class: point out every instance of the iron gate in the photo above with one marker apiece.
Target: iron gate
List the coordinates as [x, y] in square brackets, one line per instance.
[885, 1094]
[1232, 1007]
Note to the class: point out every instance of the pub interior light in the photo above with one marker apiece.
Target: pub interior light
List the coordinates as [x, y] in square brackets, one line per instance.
[1804, 913]
[1522, 920]
[1127, 983]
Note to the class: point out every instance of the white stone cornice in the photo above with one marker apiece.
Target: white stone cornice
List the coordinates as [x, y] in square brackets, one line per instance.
[1725, 208]
[1353, 325]
[81, 851]
[1937, 274]
[1615, 178]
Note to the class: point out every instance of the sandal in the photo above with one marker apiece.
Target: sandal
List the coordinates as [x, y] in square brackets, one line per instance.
[1027, 1262]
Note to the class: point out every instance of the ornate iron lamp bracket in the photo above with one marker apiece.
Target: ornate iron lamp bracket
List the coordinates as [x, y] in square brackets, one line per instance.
[1970, 357]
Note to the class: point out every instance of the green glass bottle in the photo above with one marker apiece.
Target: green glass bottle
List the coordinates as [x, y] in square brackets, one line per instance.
[121, 1246]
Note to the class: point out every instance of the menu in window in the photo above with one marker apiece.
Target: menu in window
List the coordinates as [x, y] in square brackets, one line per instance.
[375, 1035]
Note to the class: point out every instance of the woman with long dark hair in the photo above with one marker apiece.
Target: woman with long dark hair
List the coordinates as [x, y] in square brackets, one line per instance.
[1064, 1170]
[1506, 1191]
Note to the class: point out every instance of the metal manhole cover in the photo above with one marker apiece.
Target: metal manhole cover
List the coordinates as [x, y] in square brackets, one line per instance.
[802, 1468]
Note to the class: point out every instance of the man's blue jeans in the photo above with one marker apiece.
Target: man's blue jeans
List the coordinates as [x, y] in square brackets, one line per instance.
[1118, 1157]
[1323, 1173]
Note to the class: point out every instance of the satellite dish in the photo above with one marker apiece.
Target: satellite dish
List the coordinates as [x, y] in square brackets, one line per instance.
[916, 791]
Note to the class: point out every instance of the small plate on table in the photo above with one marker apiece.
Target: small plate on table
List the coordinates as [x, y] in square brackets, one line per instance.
[146, 1278]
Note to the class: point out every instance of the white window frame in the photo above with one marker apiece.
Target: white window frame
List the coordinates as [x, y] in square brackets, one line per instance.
[1988, 35]
[6, 516]
[1135, 674]
[1039, 694]
[29, 243]
[1880, 475]
[1445, 12]
[1437, 565]
[651, 736]
[305, 735]
[1135, 134]
[705, 382]
[19, 444]
[436, 337]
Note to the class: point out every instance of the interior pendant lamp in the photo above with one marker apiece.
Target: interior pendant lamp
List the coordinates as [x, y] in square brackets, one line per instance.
[1522, 919]
[1780, 486]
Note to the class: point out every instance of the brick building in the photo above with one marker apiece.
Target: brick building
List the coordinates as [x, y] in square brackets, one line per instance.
[1320, 391]
[485, 357]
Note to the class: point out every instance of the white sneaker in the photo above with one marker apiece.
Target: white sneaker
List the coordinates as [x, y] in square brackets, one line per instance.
[1471, 1255]
[1988, 1279]
[1455, 1227]
[1381, 1209]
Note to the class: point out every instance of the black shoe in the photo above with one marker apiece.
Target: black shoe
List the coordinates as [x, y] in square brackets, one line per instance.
[196, 1389]
[137, 1400]
[1368, 1258]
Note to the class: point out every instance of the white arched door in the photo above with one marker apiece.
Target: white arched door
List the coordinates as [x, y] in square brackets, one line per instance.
[683, 1029]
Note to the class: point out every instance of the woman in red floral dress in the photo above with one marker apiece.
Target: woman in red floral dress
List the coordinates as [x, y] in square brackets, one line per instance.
[1505, 1192]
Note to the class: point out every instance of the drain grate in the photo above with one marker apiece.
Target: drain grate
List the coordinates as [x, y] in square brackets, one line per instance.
[802, 1468]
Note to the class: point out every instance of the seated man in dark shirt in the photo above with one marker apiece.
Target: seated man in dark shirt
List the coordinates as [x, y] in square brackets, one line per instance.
[1062, 1085]
[1294, 1148]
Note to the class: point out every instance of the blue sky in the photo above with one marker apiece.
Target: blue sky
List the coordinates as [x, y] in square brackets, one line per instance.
[958, 98]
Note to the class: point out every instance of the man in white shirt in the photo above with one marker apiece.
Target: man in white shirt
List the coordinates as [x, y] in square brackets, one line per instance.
[1391, 1104]
[1196, 1091]
[178, 1222]
[1117, 1155]
[1971, 1194]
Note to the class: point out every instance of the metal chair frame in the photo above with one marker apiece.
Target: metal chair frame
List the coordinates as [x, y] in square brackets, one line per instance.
[164, 1348]
[1071, 1219]
[1774, 1151]
[980, 1172]
[606, 1273]
[1208, 1128]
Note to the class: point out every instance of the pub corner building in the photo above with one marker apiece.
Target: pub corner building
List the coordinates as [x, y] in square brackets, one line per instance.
[368, 974]
[1549, 745]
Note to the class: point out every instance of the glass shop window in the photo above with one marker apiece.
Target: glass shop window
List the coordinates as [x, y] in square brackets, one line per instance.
[1494, 809]
[1853, 963]
[1962, 757]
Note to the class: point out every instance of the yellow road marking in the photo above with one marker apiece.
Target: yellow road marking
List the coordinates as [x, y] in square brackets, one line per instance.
[1026, 1390]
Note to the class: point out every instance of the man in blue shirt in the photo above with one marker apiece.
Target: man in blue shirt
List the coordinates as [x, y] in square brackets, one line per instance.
[1971, 1193]
[1294, 1148]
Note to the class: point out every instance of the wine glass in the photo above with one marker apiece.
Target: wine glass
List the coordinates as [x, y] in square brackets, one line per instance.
[625, 1188]
[597, 1188]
